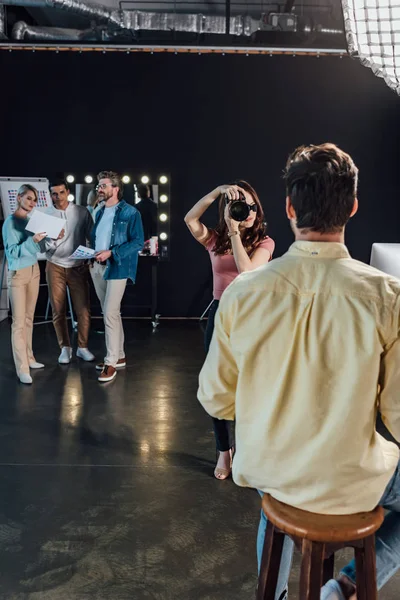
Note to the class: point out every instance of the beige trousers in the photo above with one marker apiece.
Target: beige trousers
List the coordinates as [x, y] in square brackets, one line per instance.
[23, 287]
[110, 294]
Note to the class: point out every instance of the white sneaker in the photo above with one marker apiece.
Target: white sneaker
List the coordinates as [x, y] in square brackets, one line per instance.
[332, 591]
[25, 378]
[85, 354]
[36, 365]
[65, 356]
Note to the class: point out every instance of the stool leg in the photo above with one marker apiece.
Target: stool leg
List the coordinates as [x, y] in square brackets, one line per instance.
[366, 570]
[270, 563]
[329, 567]
[311, 570]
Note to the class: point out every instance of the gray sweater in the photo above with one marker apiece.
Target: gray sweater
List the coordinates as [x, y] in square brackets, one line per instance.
[78, 225]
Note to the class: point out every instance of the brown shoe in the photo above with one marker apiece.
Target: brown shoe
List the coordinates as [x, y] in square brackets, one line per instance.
[120, 365]
[107, 374]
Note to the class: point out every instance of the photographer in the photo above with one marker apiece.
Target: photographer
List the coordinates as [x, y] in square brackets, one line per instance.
[235, 246]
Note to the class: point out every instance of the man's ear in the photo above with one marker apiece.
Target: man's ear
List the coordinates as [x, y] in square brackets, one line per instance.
[355, 208]
[290, 212]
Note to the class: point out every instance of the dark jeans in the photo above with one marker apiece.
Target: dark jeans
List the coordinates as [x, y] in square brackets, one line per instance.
[222, 429]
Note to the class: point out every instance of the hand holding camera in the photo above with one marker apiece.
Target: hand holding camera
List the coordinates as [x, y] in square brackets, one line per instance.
[237, 209]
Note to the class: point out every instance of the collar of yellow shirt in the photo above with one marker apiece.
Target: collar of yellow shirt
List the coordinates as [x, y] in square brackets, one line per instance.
[319, 249]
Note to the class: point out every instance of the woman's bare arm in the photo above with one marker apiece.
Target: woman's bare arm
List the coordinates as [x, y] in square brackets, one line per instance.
[198, 230]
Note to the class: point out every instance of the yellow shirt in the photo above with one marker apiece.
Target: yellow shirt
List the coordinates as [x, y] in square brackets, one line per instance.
[305, 351]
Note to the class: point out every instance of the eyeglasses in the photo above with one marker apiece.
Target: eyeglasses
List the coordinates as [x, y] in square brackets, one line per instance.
[102, 186]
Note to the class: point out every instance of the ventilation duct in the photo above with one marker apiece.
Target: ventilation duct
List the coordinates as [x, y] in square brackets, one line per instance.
[136, 20]
[85, 9]
[23, 31]
[2, 22]
[119, 21]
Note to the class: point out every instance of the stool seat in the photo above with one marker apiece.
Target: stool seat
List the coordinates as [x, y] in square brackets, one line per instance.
[322, 528]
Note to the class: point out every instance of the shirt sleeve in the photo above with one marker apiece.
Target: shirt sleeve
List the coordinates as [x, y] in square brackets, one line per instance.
[390, 382]
[269, 244]
[211, 242]
[218, 377]
[135, 241]
[13, 245]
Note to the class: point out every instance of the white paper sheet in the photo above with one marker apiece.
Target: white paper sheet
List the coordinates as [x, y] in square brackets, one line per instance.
[40, 222]
[83, 253]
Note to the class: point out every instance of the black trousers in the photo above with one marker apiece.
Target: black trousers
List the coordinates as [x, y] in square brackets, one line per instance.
[222, 429]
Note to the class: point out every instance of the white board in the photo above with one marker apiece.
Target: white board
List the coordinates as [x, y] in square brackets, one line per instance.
[9, 189]
[3, 290]
[386, 258]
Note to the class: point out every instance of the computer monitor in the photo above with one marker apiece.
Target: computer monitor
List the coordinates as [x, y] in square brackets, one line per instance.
[386, 258]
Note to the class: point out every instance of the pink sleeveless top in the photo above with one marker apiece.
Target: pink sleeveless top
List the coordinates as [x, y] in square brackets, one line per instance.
[224, 267]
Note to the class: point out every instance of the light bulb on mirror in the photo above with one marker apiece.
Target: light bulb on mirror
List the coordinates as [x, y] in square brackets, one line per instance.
[163, 236]
[126, 179]
[70, 178]
[71, 197]
[145, 179]
[163, 217]
[164, 198]
[88, 179]
[163, 179]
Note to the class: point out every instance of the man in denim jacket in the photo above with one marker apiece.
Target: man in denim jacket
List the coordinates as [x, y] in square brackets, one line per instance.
[117, 238]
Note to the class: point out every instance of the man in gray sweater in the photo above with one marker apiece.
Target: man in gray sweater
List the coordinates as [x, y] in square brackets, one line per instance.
[62, 271]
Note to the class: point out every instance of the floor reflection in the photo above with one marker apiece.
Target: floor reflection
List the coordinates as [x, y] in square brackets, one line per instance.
[107, 490]
[72, 400]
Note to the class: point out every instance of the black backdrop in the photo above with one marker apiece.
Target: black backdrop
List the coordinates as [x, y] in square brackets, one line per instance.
[206, 120]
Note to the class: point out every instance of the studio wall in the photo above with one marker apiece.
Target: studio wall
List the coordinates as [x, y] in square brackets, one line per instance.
[206, 120]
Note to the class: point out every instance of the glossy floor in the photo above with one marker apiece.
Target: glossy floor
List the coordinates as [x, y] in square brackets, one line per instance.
[107, 490]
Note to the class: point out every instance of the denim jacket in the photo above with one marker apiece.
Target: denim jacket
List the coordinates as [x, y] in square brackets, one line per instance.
[126, 242]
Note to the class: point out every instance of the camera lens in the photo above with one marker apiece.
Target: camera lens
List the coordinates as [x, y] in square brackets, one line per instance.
[239, 209]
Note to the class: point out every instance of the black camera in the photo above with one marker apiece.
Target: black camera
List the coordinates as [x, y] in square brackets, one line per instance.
[239, 209]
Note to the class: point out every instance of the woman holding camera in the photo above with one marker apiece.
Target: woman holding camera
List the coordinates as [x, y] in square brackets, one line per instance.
[21, 248]
[237, 244]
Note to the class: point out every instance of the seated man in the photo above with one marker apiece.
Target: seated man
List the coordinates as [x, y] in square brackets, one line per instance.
[305, 352]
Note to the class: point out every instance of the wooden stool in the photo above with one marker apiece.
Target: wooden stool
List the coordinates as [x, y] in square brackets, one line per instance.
[318, 537]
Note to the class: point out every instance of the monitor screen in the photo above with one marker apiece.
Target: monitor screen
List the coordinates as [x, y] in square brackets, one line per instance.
[386, 258]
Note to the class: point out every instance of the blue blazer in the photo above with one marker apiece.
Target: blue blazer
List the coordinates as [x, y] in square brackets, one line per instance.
[126, 242]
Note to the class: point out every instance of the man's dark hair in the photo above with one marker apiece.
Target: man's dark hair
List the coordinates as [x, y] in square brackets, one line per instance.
[143, 190]
[56, 182]
[116, 181]
[321, 182]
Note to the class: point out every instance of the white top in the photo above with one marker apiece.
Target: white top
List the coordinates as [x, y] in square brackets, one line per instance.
[78, 226]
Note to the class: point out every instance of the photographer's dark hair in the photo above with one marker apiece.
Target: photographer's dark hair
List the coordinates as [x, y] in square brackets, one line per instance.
[321, 182]
[57, 182]
[252, 236]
